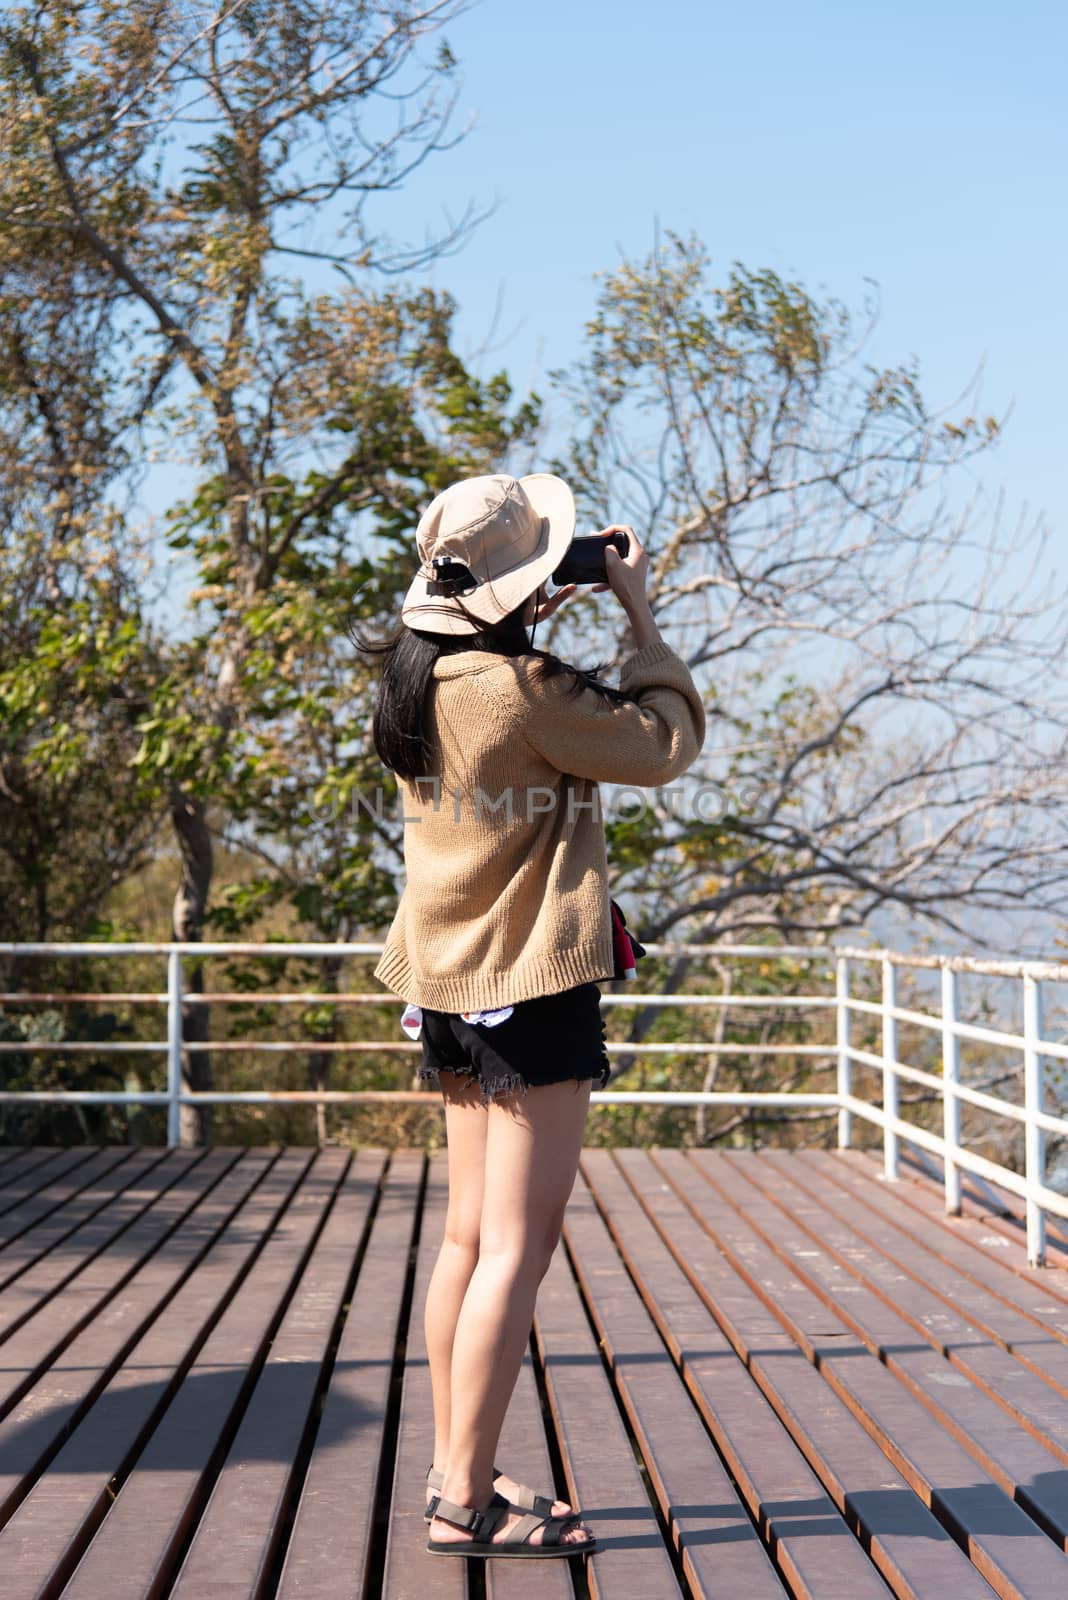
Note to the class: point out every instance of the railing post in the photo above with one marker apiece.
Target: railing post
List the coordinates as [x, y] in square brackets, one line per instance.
[1034, 1136]
[890, 1099]
[950, 1079]
[174, 1046]
[845, 1065]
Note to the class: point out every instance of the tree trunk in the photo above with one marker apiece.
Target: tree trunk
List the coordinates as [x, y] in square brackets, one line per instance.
[190, 903]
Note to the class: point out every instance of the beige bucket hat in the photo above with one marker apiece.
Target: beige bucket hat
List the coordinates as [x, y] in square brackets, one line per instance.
[509, 532]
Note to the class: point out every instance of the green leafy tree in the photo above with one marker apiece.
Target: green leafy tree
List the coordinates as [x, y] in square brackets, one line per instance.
[884, 672]
[188, 160]
[76, 661]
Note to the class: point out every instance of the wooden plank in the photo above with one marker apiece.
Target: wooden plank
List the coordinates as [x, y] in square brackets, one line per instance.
[811, 1542]
[744, 1318]
[44, 1321]
[47, 1322]
[39, 1283]
[330, 1543]
[779, 1262]
[55, 1404]
[49, 1533]
[22, 1159]
[32, 1158]
[985, 1199]
[1002, 1213]
[240, 1528]
[36, 1242]
[599, 1466]
[27, 1181]
[1007, 1246]
[912, 1550]
[983, 1291]
[962, 1242]
[409, 1572]
[65, 1199]
[974, 1336]
[1015, 1457]
[720, 1550]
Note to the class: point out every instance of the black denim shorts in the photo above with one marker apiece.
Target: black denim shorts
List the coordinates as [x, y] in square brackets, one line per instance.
[553, 1039]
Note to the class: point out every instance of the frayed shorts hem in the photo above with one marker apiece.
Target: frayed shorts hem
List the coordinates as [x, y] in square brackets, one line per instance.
[499, 1088]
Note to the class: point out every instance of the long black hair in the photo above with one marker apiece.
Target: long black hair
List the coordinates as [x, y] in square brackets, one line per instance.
[399, 726]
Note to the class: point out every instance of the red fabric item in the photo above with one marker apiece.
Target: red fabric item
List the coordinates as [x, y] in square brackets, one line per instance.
[621, 947]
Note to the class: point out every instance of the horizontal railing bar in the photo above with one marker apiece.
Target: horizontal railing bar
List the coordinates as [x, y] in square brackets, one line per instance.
[963, 1030]
[255, 1097]
[1012, 1041]
[363, 1046]
[1043, 970]
[375, 947]
[931, 1080]
[872, 1008]
[1048, 971]
[12, 1047]
[725, 1097]
[242, 997]
[368, 948]
[621, 999]
[667, 1097]
[91, 1097]
[103, 996]
[963, 1157]
[975, 1097]
[191, 949]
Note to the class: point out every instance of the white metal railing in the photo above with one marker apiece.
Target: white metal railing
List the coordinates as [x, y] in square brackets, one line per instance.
[1030, 1186]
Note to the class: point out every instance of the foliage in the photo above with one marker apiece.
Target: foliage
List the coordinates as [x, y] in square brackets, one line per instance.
[867, 701]
[886, 734]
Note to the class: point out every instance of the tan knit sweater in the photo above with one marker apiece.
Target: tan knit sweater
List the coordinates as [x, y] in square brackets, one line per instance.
[507, 876]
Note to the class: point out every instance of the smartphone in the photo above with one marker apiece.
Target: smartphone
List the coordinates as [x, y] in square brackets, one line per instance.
[584, 561]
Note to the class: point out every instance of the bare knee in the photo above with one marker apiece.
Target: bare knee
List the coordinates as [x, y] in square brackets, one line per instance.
[462, 1235]
[526, 1251]
[550, 1241]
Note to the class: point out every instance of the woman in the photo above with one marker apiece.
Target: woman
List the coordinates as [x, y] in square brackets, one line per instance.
[502, 932]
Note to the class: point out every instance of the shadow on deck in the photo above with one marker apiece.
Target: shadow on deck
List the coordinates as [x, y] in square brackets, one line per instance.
[757, 1374]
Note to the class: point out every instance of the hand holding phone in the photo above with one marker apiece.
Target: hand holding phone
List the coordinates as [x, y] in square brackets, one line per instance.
[585, 558]
[626, 575]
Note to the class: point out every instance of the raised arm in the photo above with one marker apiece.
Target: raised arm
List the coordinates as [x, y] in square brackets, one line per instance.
[648, 740]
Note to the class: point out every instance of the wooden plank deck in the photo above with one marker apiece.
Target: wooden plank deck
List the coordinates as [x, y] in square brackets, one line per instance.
[759, 1375]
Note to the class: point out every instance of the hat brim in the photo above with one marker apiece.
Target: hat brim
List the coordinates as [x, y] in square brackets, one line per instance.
[492, 600]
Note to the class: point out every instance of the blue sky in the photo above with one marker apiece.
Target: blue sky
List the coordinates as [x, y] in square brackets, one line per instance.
[922, 146]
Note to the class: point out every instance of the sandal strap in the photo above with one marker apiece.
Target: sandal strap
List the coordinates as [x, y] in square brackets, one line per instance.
[436, 1479]
[553, 1528]
[556, 1527]
[482, 1524]
[529, 1500]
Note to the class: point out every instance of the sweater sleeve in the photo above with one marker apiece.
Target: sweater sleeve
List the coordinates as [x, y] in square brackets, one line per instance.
[650, 739]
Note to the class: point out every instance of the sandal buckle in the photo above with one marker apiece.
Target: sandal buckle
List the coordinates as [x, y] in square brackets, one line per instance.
[477, 1519]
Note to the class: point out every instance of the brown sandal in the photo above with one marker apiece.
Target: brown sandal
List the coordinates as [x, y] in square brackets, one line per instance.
[526, 1499]
[515, 1543]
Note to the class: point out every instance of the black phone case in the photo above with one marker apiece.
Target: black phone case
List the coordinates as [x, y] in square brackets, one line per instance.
[584, 561]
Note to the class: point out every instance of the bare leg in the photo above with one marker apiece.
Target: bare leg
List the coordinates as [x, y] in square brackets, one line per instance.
[465, 1127]
[533, 1143]
[465, 1130]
